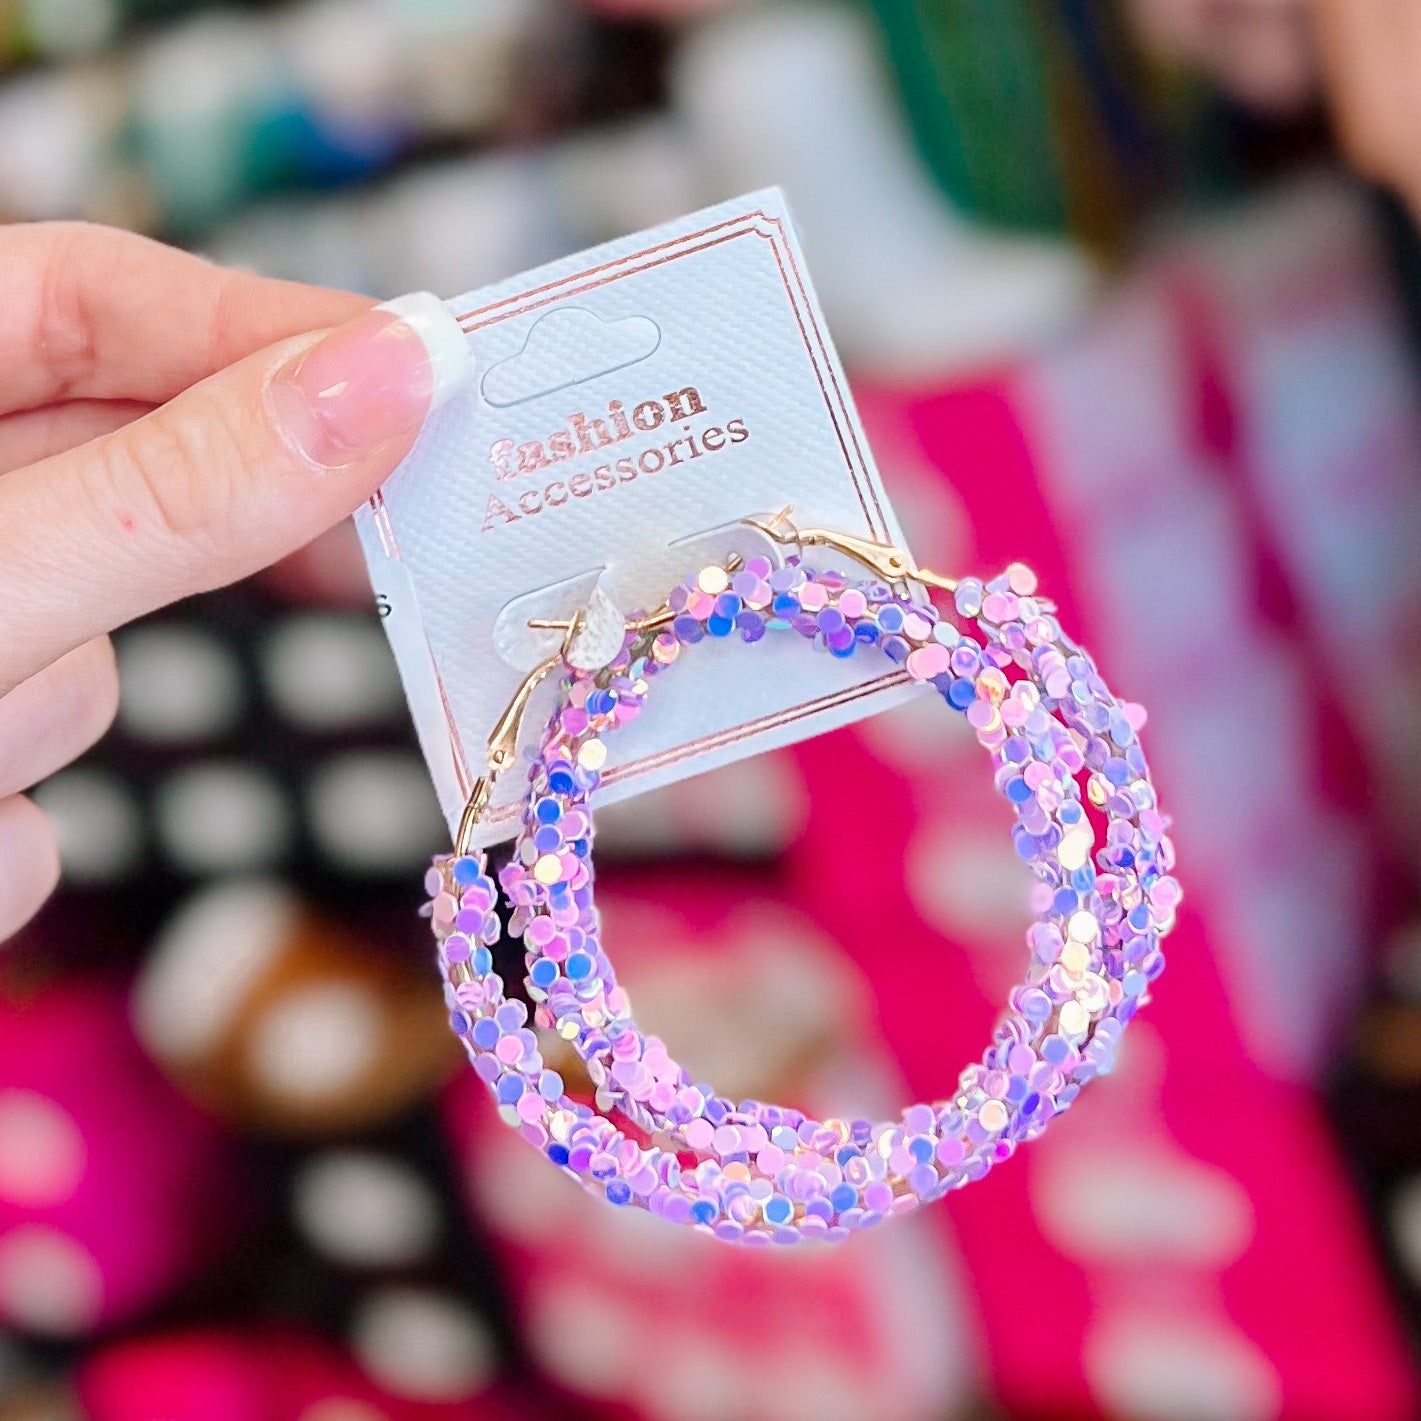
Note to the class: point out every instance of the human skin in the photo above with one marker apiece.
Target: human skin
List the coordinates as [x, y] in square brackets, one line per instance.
[1370, 52]
[166, 427]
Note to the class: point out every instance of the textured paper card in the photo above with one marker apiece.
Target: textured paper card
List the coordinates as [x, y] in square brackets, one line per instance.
[632, 404]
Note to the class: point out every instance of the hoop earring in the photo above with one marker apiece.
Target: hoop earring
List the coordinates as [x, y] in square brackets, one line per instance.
[766, 1172]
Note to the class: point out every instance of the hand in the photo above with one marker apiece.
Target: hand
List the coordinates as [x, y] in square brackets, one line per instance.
[1371, 60]
[166, 427]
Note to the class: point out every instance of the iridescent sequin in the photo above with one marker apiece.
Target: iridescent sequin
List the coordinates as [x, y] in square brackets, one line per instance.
[768, 1173]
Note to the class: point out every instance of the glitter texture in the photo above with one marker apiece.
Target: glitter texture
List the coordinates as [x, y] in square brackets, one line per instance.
[768, 1173]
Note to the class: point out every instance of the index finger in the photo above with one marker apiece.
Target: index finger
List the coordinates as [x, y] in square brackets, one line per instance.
[96, 313]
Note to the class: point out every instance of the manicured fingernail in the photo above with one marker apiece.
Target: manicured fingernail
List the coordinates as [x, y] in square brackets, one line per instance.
[450, 361]
[372, 379]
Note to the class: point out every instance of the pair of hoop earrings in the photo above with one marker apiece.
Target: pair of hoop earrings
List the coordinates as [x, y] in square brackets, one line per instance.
[1065, 753]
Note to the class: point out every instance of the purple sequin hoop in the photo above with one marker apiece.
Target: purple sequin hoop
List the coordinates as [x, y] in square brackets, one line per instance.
[768, 1173]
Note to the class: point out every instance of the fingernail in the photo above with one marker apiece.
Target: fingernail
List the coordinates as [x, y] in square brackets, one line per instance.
[368, 381]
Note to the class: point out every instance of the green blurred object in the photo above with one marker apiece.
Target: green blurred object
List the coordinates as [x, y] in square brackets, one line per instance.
[972, 73]
[1029, 113]
[54, 29]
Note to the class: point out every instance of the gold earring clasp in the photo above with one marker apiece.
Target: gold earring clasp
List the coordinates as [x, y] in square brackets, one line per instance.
[883, 559]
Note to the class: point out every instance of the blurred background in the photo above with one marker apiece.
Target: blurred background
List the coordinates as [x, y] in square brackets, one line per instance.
[1113, 302]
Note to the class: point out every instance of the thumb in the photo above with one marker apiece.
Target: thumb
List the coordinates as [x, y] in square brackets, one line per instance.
[233, 474]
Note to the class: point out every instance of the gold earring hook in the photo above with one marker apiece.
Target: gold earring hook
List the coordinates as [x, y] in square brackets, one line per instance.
[890, 563]
[503, 739]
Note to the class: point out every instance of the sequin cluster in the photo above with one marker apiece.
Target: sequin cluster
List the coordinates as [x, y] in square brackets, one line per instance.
[756, 1172]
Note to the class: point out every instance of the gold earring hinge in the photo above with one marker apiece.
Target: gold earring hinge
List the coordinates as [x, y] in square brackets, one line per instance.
[890, 563]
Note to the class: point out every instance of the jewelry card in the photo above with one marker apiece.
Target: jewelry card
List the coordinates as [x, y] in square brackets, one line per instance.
[631, 405]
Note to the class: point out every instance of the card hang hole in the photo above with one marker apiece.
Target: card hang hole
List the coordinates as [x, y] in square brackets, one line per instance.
[567, 347]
